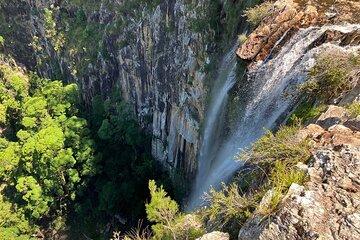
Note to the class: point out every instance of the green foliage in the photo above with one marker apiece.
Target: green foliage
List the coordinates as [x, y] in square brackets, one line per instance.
[277, 156]
[228, 208]
[354, 109]
[256, 14]
[169, 223]
[199, 25]
[305, 112]
[271, 163]
[46, 152]
[13, 224]
[242, 39]
[2, 40]
[332, 75]
[220, 17]
[81, 38]
[119, 188]
[282, 146]
[282, 175]
[162, 209]
[57, 37]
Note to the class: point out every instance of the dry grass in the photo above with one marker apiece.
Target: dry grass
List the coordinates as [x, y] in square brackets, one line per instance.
[256, 14]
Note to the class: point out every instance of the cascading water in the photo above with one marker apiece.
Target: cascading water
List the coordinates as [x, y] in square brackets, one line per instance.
[215, 117]
[272, 95]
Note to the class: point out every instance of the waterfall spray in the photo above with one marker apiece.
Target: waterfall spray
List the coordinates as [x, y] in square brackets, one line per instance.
[273, 94]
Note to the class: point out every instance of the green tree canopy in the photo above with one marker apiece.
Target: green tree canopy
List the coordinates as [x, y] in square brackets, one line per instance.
[46, 153]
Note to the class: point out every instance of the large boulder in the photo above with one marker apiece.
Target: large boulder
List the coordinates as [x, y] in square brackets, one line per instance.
[215, 236]
[333, 115]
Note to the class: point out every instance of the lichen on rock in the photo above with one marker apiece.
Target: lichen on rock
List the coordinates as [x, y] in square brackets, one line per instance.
[327, 206]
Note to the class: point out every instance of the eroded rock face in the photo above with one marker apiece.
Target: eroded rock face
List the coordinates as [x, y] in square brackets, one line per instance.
[328, 205]
[289, 15]
[154, 60]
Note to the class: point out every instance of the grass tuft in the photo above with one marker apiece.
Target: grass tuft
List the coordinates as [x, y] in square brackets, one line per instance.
[256, 14]
[354, 109]
[332, 75]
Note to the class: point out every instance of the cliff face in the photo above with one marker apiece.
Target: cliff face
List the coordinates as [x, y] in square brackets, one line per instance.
[151, 53]
[327, 206]
[287, 16]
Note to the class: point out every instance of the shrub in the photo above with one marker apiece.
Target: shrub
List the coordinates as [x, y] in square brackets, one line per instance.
[277, 155]
[282, 146]
[169, 223]
[242, 38]
[332, 75]
[305, 112]
[162, 209]
[354, 109]
[138, 233]
[227, 206]
[281, 177]
[256, 14]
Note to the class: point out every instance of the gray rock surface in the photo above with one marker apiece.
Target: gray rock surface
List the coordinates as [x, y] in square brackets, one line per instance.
[215, 236]
[333, 115]
[328, 205]
[353, 124]
[155, 59]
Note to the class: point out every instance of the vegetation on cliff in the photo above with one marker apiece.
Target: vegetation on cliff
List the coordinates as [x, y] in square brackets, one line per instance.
[84, 171]
[333, 75]
[270, 165]
[58, 169]
[271, 168]
[47, 154]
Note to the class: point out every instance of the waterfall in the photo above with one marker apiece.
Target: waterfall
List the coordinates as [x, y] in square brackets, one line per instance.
[214, 120]
[273, 93]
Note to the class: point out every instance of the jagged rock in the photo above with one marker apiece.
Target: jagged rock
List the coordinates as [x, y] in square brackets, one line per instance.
[342, 135]
[288, 16]
[328, 205]
[353, 124]
[285, 17]
[311, 131]
[215, 236]
[333, 115]
[340, 129]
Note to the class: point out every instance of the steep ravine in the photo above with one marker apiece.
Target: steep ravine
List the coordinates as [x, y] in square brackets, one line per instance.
[148, 52]
[157, 55]
[163, 59]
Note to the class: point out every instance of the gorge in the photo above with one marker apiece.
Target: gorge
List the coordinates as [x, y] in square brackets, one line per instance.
[236, 108]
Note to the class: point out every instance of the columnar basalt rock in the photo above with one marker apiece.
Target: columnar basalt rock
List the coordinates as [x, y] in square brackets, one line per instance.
[155, 61]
